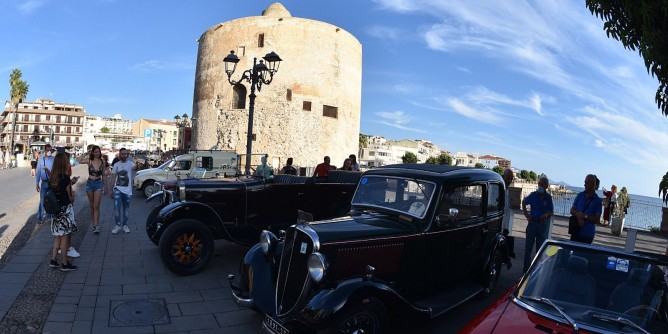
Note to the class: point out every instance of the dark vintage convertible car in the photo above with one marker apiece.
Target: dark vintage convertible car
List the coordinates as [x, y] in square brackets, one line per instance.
[420, 239]
[188, 219]
[579, 288]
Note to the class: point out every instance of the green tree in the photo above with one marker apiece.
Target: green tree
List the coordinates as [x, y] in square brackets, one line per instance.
[363, 141]
[105, 129]
[409, 158]
[498, 169]
[640, 25]
[18, 92]
[445, 159]
[524, 174]
[432, 160]
[479, 165]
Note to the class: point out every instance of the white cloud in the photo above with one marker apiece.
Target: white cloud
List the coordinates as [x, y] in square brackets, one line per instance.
[160, 65]
[397, 119]
[461, 108]
[29, 6]
[383, 32]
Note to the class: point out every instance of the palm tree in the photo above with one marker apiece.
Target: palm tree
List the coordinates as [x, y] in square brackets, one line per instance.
[663, 189]
[18, 92]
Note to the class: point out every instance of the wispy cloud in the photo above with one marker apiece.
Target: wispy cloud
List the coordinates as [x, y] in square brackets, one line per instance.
[485, 115]
[160, 65]
[384, 32]
[106, 100]
[397, 119]
[29, 6]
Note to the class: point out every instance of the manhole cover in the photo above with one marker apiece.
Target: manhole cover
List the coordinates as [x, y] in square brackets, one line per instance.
[140, 312]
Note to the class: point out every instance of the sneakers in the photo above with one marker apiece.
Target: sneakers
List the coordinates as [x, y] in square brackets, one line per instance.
[126, 229]
[71, 252]
[68, 267]
[116, 229]
[96, 230]
[53, 264]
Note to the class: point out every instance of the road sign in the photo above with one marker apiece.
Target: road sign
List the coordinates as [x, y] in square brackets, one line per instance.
[148, 133]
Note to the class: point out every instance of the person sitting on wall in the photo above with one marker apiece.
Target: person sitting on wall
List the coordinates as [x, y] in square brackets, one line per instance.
[288, 168]
[264, 170]
[322, 169]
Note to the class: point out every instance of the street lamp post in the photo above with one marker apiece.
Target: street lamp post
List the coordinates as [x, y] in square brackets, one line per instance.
[182, 123]
[257, 76]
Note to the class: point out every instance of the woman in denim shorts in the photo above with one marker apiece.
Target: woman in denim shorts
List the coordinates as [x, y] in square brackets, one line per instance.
[96, 184]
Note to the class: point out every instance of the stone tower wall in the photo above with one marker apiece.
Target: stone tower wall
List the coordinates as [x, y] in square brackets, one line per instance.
[321, 63]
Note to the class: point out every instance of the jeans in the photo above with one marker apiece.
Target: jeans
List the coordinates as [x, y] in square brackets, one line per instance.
[41, 213]
[121, 202]
[535, 232]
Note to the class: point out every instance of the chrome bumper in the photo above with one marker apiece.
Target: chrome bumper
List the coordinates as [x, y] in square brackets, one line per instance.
[236, 292]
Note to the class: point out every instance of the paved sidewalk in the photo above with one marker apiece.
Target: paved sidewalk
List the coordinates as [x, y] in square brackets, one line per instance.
[121, 276]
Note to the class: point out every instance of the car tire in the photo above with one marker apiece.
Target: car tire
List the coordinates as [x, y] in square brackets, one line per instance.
[370, 318]
[151, 228]
[148, 188]
[492, 274]
[186, 247]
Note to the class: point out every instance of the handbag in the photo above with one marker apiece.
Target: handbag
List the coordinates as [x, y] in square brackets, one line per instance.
[51, 205]
[573, 223]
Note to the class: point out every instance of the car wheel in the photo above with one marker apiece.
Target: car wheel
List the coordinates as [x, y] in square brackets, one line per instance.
[150, 227]
[148, 188]
[492, 274]
[368, 318]
[186, 246]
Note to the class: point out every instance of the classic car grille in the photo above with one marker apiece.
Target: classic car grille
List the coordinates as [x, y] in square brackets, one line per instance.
[293, 276]
[352, 261]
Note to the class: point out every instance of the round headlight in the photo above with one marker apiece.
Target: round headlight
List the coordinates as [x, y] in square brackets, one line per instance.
[267, 241]
[317, 267]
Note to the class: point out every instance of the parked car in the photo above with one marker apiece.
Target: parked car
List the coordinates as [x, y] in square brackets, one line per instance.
[181, 166]
[574, 287]
[238, 210]
[420, 240]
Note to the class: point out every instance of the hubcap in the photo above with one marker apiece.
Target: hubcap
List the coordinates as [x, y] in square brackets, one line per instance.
[187, 248]
[359, 323]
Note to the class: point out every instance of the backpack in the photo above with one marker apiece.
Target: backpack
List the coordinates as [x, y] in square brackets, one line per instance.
[51, 205]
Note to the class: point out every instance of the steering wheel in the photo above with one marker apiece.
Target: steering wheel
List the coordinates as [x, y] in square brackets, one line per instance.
[643, 312]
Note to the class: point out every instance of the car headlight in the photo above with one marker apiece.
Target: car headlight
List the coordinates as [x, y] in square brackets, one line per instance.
[267, 241]
[317, 266]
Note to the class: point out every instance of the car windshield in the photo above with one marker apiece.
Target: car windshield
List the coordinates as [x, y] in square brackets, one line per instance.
[596, 288]
[167, 163]
[406, 196]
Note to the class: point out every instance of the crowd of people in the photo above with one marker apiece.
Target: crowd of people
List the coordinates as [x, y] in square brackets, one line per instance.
[265, 171]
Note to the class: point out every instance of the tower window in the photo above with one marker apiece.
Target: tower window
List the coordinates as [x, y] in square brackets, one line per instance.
[329, 111]
[307, 106]
[239, 97]
[288, 95]
[260, 40]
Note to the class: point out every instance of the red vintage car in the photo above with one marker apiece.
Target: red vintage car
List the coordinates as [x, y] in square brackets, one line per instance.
[579, 288]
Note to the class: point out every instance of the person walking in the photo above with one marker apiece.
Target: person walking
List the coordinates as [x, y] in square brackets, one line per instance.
[33, 163]
[62, 224]
[121, 180]
[44, 166]
[96, 184]
[538, 218]
[587, 208]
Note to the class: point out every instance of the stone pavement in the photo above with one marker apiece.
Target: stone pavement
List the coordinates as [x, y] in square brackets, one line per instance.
[121, 284]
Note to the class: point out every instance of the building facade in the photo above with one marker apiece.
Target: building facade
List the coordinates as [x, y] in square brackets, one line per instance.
[40, 122]
[311, 108]
[156, 135]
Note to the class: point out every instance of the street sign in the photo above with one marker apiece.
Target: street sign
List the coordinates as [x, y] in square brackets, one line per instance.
[148, 133]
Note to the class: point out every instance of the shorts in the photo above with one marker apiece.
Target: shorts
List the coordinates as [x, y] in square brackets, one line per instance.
[94, 185]
[33, 164]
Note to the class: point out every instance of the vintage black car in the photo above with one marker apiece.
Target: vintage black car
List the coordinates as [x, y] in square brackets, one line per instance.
[238, 209]
[420, 240]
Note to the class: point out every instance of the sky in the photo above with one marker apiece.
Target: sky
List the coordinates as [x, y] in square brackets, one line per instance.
[536, 82]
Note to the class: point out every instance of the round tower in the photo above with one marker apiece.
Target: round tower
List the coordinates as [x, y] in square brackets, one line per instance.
[311, 108]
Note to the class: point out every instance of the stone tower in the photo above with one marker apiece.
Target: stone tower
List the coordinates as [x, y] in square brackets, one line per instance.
[312, 107]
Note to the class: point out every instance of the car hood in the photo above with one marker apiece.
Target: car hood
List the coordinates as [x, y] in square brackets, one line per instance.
[146, 171]
[518, 320]
[361, 227]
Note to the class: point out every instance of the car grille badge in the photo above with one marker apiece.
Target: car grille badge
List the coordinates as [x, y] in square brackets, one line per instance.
[302, 249]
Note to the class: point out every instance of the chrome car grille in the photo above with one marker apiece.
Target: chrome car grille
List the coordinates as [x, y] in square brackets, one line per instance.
[293, 278]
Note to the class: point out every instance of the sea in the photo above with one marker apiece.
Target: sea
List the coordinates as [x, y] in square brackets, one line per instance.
[644, 212]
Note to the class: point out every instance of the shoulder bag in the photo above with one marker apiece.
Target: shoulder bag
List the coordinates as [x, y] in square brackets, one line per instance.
[573, 223]
[51, 205]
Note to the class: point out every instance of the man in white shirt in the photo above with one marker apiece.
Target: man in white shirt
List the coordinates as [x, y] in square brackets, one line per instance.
[121, 180]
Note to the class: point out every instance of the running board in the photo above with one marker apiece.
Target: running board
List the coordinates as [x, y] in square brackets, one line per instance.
[448, 300]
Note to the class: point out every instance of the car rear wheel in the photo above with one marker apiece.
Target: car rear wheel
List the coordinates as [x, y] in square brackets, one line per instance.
[186, 246]
[150, 227]
[369, 318]
[148, 188]
[492, 274]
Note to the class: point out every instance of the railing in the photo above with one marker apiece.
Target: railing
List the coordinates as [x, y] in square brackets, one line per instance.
[641, 214]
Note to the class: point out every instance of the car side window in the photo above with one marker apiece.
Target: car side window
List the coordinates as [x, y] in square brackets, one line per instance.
[205, 162]
[182, 165]
[494, 198]
[466, 199]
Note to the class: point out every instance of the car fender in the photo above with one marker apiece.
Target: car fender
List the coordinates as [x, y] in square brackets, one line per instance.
[498, 243]
[189, 210]
[324, 307]
[157, 194]
[257, 274]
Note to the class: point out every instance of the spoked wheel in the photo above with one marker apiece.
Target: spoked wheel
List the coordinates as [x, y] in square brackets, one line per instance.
[369, 318]
[492, 274]
[186, 246]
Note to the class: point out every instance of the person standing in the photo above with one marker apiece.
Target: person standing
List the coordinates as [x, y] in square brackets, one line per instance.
[2, 158]
[353, 163]
[507, 223]
[322, 169]
[611, 199]
[44, 166]
[347, 165]
[538, 218]
[587, 208]
[121, 180]
[62, 224]
[288, 168]
[96, 184]
[33, 162]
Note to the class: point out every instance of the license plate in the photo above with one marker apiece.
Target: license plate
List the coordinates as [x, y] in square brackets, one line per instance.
[274, 326]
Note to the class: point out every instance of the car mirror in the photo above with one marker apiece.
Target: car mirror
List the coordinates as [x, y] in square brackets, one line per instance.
[450, 218]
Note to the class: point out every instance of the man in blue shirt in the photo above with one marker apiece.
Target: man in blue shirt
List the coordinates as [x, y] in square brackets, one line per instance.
[538, 219]
[44, 165]
[587, 208]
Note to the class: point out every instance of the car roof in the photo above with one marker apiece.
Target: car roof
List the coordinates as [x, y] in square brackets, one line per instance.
[437, 172]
